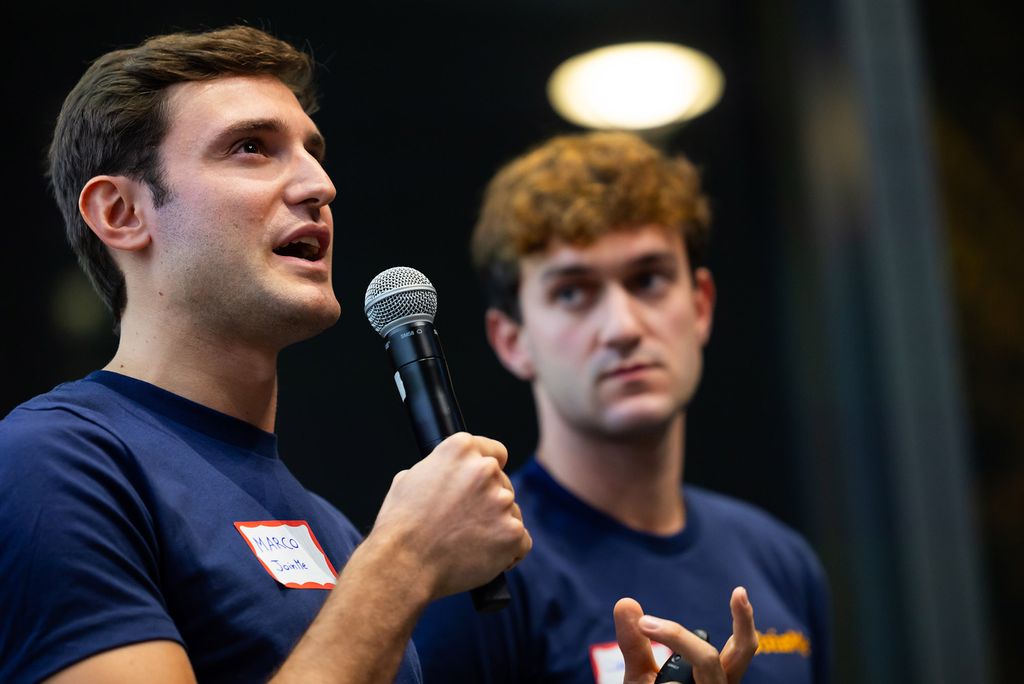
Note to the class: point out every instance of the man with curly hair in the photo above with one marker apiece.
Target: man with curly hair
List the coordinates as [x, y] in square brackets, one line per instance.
[592, 251]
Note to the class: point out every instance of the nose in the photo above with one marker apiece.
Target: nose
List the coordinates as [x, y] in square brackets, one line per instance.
[310, 184]
[621, 324]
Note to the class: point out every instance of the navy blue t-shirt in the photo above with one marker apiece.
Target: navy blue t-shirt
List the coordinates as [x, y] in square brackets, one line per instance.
[559, 627]
[118, 526]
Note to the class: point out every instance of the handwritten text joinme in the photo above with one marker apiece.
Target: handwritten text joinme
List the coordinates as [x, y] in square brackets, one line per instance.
[285, 566]
[275, 543]
[286, 544]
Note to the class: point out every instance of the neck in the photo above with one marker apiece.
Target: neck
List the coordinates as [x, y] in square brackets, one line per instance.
[633, 478]
[223, 374]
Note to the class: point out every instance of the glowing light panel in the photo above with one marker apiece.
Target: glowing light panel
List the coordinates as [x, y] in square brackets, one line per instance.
[635, 86]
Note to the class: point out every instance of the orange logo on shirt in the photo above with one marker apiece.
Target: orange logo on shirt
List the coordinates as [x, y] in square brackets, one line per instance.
[787, 642]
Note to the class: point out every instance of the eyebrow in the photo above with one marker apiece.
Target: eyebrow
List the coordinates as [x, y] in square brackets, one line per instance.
[314, 142]
[658, 258]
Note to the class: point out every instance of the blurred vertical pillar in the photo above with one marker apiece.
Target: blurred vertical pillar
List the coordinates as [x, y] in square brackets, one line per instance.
[872, 351]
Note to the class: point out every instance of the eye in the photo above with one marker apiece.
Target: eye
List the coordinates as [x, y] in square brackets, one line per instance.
[572, 295]
[251, 146]
[650, 282]
[568, 294]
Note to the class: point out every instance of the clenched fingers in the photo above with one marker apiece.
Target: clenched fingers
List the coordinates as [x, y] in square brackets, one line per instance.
[491, 447]
[463, 444]
[525, 544]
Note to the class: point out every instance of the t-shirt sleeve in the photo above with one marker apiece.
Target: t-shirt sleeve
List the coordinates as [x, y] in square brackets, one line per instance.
[458, 644]
[80, 562]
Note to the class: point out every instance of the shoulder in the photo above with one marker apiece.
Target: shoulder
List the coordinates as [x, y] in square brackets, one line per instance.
[767, 541]
[68, 412]
[82, 557]
[74, 419]
[721, 512]
[80, 402]
[62, 448]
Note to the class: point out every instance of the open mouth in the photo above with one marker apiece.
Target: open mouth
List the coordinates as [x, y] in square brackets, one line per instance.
[307, 247]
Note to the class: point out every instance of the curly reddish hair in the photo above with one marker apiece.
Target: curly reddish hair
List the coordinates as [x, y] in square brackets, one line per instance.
[576, 188]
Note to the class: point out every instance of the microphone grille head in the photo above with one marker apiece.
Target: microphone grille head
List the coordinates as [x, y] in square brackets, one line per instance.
[399, 295]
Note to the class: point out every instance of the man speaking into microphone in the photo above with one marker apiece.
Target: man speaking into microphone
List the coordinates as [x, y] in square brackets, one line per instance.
[151, 531]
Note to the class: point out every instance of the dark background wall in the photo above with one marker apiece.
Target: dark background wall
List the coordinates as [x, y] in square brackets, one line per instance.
[422, 101]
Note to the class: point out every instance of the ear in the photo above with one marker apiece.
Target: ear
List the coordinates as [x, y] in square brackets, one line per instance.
[115, 208]
[506, 337]
[704, 295]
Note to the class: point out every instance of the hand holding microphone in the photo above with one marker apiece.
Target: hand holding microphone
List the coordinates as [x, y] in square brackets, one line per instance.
[456, 505]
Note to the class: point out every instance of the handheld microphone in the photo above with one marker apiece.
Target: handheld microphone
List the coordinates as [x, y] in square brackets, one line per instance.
[400, 304]
[676, 670]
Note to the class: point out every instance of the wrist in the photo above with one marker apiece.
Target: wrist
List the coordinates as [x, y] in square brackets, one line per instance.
[394, 558]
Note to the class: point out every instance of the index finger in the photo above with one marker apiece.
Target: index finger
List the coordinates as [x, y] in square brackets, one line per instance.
[462, 444]
[491, 447]
[637, 656]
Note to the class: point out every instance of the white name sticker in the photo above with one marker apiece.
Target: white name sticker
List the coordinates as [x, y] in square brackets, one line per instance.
[288, 551]
[609, 666]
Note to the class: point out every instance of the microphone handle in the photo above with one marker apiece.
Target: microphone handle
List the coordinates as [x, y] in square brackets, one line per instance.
[424, 384]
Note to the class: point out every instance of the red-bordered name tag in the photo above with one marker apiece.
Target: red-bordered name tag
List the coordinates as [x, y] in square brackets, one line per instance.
[609, 666]
[288, 550]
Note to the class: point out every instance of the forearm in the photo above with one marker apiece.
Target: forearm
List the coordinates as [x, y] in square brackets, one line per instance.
[448, 524]
[361, 633]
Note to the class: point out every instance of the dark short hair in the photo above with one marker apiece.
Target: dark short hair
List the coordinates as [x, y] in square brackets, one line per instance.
[115, 118]
[576, 188]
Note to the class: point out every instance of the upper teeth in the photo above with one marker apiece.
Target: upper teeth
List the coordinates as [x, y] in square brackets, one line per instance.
[308, 240]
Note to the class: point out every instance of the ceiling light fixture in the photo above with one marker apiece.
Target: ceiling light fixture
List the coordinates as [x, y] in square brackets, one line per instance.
[635, 86]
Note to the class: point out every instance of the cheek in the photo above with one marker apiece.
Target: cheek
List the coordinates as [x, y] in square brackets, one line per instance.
[556, 348]
[682, 319]
[685, 344]
[679, 335]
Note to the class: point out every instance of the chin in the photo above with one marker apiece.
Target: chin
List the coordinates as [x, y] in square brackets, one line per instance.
[315, 320]
[298, 321]
[639, 417]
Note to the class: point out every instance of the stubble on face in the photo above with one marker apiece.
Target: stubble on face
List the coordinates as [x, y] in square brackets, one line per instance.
[226, 292]
[226, 210]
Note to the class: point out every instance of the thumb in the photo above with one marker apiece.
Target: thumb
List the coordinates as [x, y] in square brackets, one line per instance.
[636, 648]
